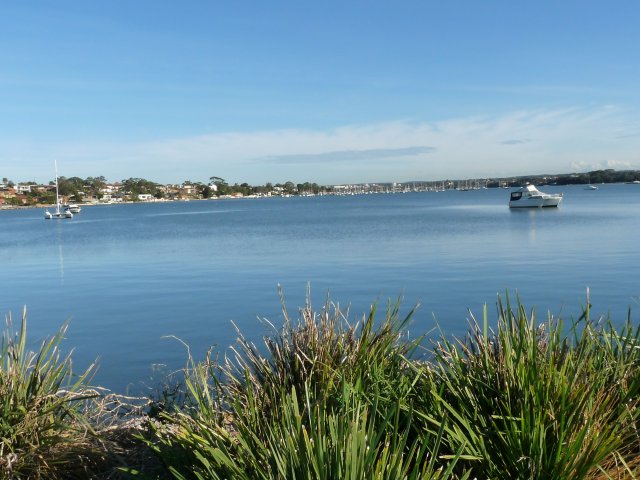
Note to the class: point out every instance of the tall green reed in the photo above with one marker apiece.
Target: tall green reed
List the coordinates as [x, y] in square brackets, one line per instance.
[328, 400]
[529, 401]
[43, 429]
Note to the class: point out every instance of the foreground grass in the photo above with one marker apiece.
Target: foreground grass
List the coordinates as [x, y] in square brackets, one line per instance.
[42, 428]
[530, 401]
[326, 398]
[53, 424]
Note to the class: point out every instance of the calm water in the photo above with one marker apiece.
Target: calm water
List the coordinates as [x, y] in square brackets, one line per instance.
[129, 275]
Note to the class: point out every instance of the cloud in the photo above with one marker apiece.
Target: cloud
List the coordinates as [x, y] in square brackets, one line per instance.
[628, 135]
[582, 166]
[568, 139]
[358, 156]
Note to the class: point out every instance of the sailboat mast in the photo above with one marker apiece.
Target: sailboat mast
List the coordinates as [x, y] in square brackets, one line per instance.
[55, 162]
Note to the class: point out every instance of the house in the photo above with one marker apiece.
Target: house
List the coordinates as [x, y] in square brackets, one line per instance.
[171, 191]
[7, 192]
[188, 189]
[24, 188]
[111, 188]
[21, 199]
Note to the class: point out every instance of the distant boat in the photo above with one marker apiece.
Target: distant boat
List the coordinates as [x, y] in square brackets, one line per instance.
[72, 207]
[590, 187]
[531, 197]
[57, 213]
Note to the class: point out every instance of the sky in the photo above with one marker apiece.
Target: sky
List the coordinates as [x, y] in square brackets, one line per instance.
[328, 92]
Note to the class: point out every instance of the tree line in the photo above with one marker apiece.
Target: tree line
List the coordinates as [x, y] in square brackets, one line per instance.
[594, 176]
[77, 189]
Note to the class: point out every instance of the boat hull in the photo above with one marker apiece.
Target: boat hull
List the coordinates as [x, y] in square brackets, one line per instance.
[57, 215]
[531, 197]
[531, 204]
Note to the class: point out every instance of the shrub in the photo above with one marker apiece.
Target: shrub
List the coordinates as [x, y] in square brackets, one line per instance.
[43, 431]
[330, 400]
[531, 402]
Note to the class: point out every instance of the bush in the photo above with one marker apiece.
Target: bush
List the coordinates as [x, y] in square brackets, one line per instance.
[43, 431]
[330, 400]
[531, 402]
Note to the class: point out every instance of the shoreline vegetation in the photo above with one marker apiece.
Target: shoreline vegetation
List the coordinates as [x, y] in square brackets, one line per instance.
[328, 396]
[96, 190]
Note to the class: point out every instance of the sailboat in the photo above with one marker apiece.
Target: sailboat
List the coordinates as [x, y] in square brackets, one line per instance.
[589, 185]
[57, 213]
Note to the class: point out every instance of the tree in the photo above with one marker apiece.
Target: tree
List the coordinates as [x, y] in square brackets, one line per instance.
[221, 185]
[136, 186]
[289, 188]
[96, 182]
[66, 187]
[94, 185]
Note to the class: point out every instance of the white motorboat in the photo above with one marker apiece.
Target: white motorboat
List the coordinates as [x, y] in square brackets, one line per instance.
[58, 212]
[590, 187]
[72, 207]
[531, 197]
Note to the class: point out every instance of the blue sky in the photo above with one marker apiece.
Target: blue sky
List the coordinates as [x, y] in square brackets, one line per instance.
[328, 92]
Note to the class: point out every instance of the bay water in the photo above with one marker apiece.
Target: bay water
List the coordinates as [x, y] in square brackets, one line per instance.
[132, 279]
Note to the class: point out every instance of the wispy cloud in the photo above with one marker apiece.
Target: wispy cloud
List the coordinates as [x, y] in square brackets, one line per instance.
[628, 135]
[358, 156]
[583, 166]
[568, 139]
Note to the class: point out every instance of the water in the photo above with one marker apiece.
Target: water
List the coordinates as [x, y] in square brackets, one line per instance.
[128, 276]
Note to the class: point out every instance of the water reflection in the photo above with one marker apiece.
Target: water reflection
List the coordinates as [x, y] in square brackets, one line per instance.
[59, 239]
[527, 223]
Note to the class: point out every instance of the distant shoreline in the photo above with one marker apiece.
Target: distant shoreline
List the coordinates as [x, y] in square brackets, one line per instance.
[248, 197]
